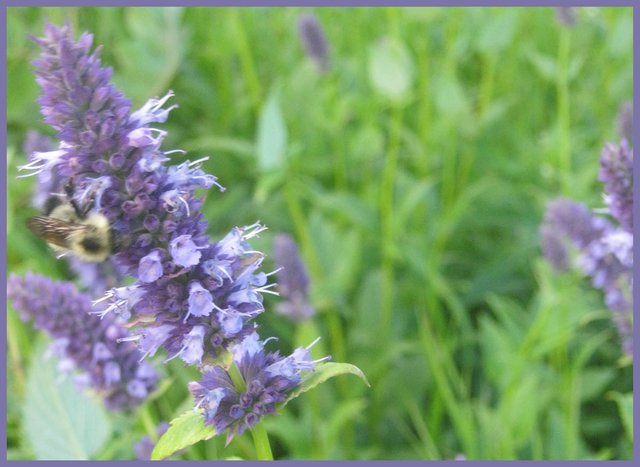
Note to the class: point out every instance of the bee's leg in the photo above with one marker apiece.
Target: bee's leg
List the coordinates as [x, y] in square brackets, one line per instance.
[70, 190]
[81, 211]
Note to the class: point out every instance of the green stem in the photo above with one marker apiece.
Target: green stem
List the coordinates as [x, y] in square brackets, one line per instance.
[261, 442]
[246, 58]
[13, 345]
[258, 432]
[147, 421]
[387, 186]
[563, 109]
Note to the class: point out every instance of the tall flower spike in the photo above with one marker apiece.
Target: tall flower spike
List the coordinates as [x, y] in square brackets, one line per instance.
[84, 341]
[192, 297]
[293, 279]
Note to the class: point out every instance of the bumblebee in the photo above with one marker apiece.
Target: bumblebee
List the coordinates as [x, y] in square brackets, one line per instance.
[69, 228]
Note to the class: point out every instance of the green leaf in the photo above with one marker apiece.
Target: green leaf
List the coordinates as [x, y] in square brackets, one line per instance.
[272, 135]
[61, 422]
[544, 65]
[391, 69]
[184, 430]
[150, 55]
[625, 406]
[497, 32]
[322, 373]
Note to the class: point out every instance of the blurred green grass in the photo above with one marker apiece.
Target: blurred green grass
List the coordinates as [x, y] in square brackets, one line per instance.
[415, 195]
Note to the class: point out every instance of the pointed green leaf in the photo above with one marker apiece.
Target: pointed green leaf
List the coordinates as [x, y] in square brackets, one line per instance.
[272, 135]
[184, 430]
[61, 422]
[322, 373]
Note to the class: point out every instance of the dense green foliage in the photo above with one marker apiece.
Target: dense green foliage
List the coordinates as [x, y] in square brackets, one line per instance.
[414, 176]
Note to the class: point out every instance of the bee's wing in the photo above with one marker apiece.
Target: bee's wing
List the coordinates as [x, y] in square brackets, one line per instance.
[55, 231]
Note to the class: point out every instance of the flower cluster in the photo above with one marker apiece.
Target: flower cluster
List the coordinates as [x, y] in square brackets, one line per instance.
[84, 341]
[604, 251]
[266, 379]
[293, 279]
[194, 298]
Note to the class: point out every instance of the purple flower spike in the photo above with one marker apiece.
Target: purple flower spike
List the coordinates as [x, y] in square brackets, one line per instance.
[193, 297]
[571, 234]
[625, 122]
[293, 279]
[314, 41]
[92, 345]
[616, 172]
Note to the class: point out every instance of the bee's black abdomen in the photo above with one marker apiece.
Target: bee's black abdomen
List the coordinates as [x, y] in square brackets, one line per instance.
[91, 245]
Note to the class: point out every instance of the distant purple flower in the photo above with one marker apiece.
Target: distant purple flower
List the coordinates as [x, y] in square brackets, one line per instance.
[568, 223]
[83, 340]
[293, 279]
[192, 297]
[616, 171]
[145, 446]
[625, 122]
[268, 379]
[566, 15]
[314, 41]
[571, 234]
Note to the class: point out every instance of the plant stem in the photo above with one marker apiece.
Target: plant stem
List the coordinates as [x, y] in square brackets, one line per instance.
[246, 59]
[147, 421]
[563, 109]
[261, 442]
[387, 186]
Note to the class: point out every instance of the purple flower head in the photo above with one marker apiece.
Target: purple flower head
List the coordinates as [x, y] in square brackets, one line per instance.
[314, 41]
[616, 171]
[190, 296]
[95, 346]
[267, 379]
[293, 279]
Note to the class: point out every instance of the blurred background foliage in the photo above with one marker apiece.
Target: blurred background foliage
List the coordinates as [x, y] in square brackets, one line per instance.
[413, 172]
